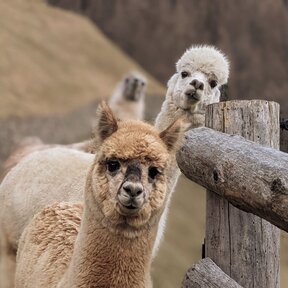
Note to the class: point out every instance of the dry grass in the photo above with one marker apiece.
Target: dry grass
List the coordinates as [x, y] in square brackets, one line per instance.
[53, 61]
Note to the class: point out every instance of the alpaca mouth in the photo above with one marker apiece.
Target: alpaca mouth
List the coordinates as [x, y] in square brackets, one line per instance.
[191, 94]
[129, 209]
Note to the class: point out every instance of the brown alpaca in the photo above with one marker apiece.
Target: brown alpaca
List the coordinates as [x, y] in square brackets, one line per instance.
[124, 197]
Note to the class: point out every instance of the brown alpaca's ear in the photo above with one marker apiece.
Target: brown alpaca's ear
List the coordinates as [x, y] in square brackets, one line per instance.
[106, 123]
[173, 135]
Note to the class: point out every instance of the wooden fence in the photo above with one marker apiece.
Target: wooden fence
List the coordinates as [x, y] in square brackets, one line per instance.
[243, 174]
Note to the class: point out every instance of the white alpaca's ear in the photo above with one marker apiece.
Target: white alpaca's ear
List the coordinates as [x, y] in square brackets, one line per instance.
[224, 92]
[172, 82]
[106, 123]
[173, 135]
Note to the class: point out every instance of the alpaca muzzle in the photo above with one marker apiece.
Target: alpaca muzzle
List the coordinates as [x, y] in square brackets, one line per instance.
[131, 197]
[192, 95]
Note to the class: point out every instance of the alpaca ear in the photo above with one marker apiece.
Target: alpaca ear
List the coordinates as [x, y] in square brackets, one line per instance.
[173, 135]
[106, 123]
[224, 92]
[172, 81]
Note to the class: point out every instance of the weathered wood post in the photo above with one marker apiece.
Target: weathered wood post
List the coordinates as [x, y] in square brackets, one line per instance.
[243, 245]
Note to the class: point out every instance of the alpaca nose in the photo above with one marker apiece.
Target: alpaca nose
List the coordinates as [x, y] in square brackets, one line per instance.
[197, 84]
[133, 189]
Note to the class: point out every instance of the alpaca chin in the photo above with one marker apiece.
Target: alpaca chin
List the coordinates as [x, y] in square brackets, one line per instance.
[188, 103]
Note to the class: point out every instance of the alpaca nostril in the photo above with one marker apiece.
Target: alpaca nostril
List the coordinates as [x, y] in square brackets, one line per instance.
[197, 84]
[194, 83]
[128, 190]
[139, 192]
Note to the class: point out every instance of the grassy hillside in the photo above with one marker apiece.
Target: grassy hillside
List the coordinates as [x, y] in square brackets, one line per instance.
[53, 61]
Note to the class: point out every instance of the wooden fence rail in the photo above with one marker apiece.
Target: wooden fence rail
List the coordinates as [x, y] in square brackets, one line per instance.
[252, 177]
[206, 274]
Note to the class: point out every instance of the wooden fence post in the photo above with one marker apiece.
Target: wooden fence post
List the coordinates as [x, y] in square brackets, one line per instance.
[243, 245]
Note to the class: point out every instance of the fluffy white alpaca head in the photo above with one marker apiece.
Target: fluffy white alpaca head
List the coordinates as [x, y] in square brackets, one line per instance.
[200, 73]
[133, 85]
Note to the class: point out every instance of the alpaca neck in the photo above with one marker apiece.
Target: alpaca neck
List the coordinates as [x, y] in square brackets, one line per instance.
[168, 114]
[102, 258]
[171, 112]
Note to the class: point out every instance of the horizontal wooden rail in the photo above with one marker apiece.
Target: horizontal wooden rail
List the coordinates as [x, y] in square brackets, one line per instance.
[206, 274]
[252, 177]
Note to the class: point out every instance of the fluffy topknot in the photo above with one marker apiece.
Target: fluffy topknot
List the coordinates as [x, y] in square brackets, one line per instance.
[206, 59]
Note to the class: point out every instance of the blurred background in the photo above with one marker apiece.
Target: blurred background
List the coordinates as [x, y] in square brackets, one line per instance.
[60, 57]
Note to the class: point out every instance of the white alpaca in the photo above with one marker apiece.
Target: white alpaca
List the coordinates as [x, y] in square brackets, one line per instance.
[18, 207]
[127, 100]
[123, 199]
[200, 72]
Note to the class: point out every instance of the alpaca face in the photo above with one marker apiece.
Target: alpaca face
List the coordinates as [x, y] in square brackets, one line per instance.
[135, 191]
[134, 86]
[129, 177]
[194, 90]
[201, 71]
[132, 168]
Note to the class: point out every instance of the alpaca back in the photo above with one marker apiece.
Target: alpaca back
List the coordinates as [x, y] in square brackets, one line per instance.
[63, 179]
[22, 149]
[47, 244]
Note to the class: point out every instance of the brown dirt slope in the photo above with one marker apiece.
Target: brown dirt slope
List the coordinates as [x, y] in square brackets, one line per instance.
[53, 61]
[55, 66]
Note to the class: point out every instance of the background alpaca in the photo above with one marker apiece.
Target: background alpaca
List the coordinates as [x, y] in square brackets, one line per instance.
[124, 197]
[127, 100]
[200, 73]
[31, 144]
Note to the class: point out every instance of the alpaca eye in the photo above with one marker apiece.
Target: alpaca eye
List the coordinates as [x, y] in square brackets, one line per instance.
[113, 165]
[153, 172]
[184, 74]
[213, 83]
